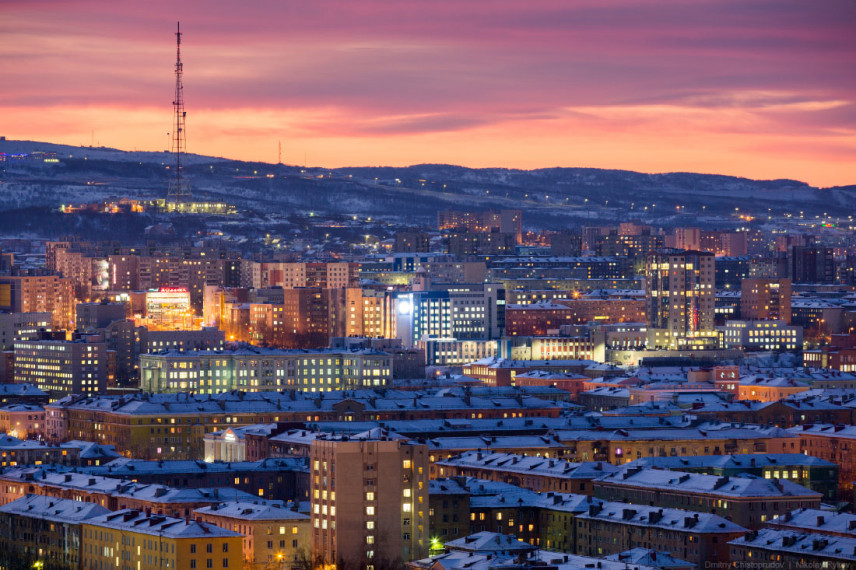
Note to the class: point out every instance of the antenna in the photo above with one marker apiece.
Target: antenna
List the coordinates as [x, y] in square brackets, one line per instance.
[179, 190]
[279, 154]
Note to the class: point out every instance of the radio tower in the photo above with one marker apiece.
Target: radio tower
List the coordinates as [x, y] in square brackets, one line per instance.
[179, 190]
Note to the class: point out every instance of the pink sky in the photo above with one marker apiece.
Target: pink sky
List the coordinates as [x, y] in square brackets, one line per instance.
[763, 89]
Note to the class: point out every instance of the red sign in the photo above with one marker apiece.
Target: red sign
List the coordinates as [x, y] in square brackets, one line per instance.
[172, 290]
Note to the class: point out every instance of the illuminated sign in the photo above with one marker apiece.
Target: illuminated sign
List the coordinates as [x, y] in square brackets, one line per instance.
[172, 290]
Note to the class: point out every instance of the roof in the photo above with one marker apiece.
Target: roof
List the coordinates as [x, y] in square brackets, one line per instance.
[85, 482]
[7, 441]
[52, 509]
[743, 461]
[511, 463]
[824, 546]
[22, 408]
[92, 450]
[825, 430]
[129, 520]
[711, 430]
[253, 511]
[285, 401]
[495, 442]
[536, 559]
[699, 483]
[776, 382]
[13, 389]
[673, 519]
[816, 520]
[646, 556]
[490, 543]
[446, 487]
[242, 431]
[127, 467]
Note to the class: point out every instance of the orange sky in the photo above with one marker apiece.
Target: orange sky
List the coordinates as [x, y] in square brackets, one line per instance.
[760, 89]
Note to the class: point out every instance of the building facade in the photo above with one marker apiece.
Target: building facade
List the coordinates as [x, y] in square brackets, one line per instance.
[369, 500]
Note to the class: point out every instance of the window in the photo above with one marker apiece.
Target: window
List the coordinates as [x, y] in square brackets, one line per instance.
[193, 563]
[193, 549]
[209, 548]
[225, 547]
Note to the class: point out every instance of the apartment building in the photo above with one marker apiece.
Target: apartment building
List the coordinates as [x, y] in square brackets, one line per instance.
[39, 293]
[135, 540]
[258, 369]
[679, 295]
[749, 502]
[369, 497]
[63, 367]
[697, 537]
[274, 536]
[45, 529]
[766, 299]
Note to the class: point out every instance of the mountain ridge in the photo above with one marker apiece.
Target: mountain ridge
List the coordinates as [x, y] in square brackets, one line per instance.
[555, 196]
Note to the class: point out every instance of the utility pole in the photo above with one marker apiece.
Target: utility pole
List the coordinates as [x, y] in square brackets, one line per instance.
[179, 190]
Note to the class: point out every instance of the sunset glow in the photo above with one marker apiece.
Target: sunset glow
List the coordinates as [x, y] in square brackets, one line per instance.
[759, 89]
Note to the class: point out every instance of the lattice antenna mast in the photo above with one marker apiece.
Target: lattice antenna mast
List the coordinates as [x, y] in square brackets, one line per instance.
[179, 190]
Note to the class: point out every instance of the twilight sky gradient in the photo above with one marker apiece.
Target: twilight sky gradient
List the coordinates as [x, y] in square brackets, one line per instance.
[756, 88]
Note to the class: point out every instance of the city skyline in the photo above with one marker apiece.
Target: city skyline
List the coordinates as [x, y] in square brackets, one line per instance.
[756, 89]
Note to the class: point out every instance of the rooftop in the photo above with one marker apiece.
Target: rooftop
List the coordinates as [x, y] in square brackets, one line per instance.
[744, 461]
[509, 462]
[253, 511]
[698, 483]
[823, 546]
[158, 525]
[674, 519]
[52, 509]
[490, 543]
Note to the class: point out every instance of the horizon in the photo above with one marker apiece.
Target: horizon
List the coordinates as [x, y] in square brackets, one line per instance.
[761, 90]
[413, 165]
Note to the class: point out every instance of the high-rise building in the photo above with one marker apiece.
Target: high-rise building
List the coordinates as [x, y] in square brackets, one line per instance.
[21, 326]
[766, 299]
[63, 367]
[506, 221]
[39, 293]
[679, 299]
[812, 264]
[91, 316]
[412, 242]
[369, 497]
[688, 238]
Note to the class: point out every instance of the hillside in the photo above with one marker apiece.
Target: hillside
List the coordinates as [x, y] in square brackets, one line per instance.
[551, 197]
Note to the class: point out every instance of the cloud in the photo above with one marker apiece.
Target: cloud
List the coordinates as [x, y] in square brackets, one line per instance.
[374, 75]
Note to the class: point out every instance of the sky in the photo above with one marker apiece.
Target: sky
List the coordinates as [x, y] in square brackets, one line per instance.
[757, 88]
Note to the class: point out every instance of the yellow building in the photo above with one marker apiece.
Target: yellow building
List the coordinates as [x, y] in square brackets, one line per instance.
[274, 535]
[134, 540]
